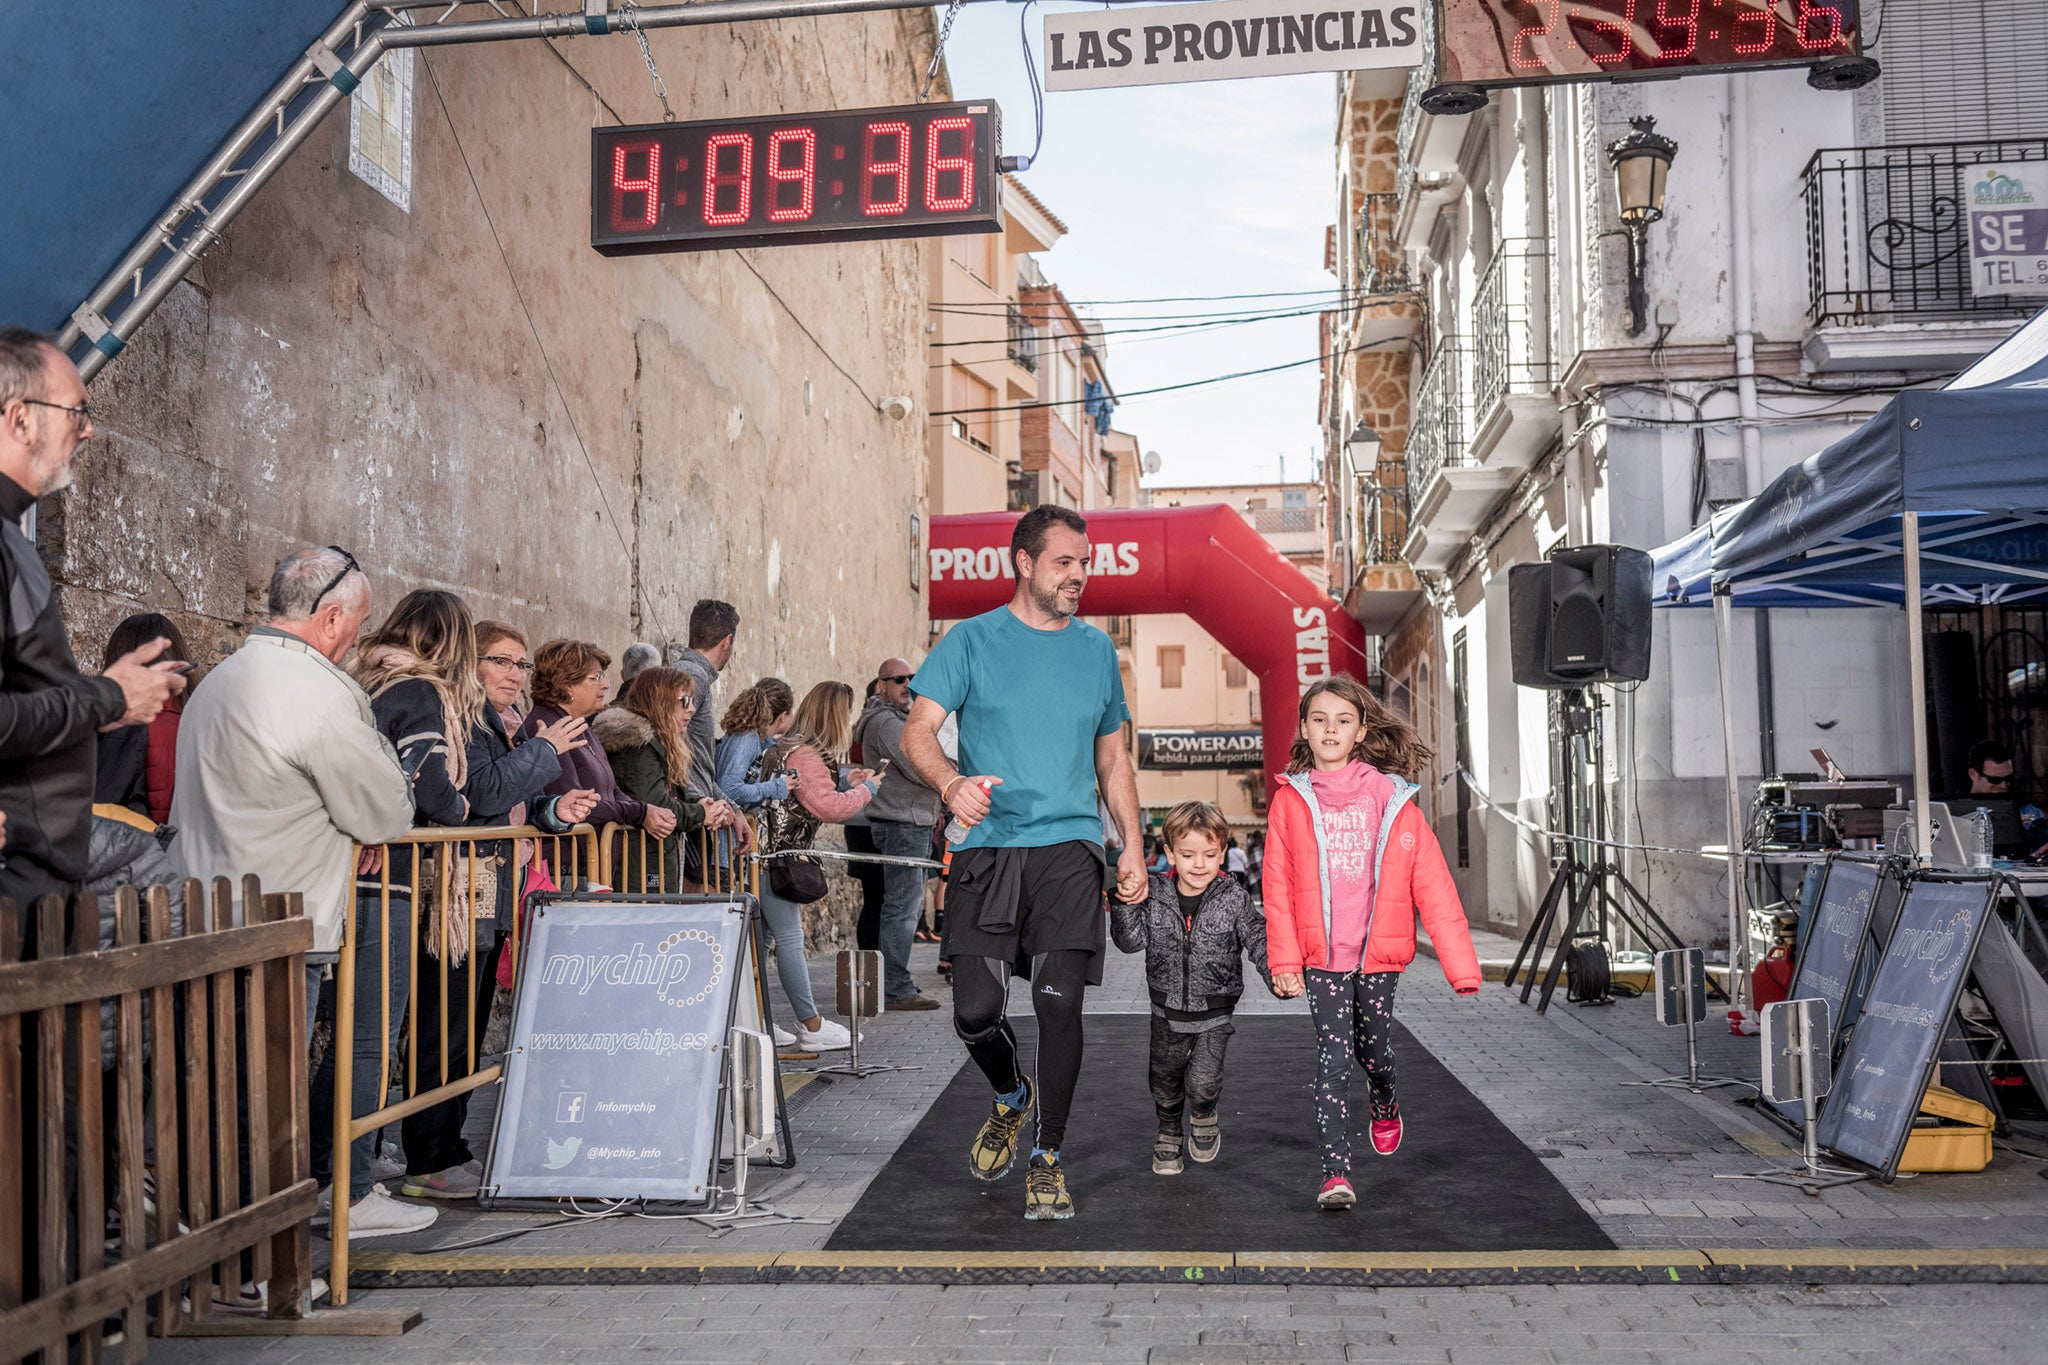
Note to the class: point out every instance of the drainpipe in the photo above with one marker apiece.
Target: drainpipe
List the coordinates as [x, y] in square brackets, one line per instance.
[1743, 298]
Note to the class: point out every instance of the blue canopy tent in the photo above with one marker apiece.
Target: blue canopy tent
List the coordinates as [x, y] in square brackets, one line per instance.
[1940, 497]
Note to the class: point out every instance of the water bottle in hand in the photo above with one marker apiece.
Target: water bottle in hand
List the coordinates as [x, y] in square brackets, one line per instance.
[958, 829]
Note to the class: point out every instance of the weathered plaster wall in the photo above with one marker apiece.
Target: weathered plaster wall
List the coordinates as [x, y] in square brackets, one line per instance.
[339, 370]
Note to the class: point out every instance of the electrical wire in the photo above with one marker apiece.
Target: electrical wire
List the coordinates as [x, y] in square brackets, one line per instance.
[533, 328]
[1175, 388]
[1031, 75]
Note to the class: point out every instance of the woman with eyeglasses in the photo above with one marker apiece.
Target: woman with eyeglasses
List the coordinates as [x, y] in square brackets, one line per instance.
[568, 682]
[647, 740]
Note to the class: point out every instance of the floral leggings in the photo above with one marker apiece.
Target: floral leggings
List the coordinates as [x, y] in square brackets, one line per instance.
[1354, 1016]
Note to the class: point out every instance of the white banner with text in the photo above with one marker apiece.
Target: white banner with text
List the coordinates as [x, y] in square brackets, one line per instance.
[1226, 40]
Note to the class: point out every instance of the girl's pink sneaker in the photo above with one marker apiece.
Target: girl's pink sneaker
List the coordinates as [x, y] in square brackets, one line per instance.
[1337, 1193]
[1386, 1135]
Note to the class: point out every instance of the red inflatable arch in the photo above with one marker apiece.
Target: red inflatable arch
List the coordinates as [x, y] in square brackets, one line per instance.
[1206, 562]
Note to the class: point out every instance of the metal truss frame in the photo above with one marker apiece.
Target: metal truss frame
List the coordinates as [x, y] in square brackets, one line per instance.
[333, 68]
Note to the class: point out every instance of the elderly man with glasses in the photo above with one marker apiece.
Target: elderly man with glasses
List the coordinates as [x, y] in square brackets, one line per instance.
[50, 714]
[900, 820]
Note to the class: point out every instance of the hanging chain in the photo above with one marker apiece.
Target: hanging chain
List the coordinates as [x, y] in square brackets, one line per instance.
[629, 12]
[931, 73]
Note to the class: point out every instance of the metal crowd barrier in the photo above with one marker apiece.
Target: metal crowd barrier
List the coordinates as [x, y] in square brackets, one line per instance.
[206, 1065]
[463, 865]
[633, 862]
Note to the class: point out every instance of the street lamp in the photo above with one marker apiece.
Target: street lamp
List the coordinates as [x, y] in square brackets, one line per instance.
[1363, 445]
[1642, 162]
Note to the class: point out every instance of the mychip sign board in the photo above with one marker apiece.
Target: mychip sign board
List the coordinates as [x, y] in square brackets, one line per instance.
[1226, 39]
[1890, 1056]
[1201, 750]
[613, 1077]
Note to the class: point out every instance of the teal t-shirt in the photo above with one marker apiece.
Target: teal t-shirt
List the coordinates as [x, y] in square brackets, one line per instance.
[1031, 704]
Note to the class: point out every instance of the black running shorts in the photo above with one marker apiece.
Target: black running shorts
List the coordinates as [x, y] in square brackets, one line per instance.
[1062, 907]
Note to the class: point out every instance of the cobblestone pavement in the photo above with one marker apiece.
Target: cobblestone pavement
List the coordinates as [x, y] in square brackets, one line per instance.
[1182, 1325]
[1640, 1160]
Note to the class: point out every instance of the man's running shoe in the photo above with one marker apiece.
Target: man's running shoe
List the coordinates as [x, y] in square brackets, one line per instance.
[1337, 1193]
[1045, 1190]
[1386, 1135]
[1205, 1138]
[1166, 1154]
[995, 1146]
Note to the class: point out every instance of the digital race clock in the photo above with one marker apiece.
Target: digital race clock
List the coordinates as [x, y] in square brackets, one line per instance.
[1528, 42]
[916, 170]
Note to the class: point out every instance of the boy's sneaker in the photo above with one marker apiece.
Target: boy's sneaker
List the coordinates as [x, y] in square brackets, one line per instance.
[995, 1146]
[1205, 1138]
[826, 1037]
[1166, 1154]
[1337, 1193]
[457, 1182]
[1045, 1189]
[1386, 1135]
[377, 1214]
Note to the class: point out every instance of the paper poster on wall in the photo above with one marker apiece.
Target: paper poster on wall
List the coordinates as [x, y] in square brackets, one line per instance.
[2007, 202]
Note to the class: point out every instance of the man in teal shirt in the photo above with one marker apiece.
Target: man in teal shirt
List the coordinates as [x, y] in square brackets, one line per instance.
[1041, 709]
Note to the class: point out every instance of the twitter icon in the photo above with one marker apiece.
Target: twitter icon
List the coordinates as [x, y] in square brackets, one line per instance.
[561, 1154]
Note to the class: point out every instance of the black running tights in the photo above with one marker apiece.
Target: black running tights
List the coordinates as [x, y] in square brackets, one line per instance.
[980, 992]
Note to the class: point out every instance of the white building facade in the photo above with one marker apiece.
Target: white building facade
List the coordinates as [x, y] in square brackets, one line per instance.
[1809, 263]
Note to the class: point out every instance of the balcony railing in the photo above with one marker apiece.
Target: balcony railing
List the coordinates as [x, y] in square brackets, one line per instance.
[1419, 79]
[1511, 323]
[1279, 521]
[1436, 433]
[1023, 339]
[1386, 499]
[1382, 265]
[1886, 232]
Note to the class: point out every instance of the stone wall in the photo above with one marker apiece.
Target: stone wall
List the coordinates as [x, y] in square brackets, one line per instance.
[466, 396]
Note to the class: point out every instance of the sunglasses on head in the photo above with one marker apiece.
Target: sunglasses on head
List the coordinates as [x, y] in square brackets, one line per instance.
[348, 567]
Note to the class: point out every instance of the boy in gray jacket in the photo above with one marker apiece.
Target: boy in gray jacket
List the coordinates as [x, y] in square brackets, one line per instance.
[1196, 928]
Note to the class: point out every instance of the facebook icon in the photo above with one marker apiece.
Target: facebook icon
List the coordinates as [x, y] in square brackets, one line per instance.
[569, 1107]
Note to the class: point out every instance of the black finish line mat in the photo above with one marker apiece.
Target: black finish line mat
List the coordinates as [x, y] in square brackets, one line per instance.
[1462, 1182]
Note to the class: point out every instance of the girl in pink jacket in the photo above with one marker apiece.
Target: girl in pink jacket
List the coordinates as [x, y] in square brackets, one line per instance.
[1351, 863]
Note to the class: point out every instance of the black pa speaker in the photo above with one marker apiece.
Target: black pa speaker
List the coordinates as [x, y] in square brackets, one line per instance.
[1582, 616]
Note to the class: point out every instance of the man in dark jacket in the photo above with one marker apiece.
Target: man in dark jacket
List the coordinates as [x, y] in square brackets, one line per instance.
[50, 714]
[900, 821]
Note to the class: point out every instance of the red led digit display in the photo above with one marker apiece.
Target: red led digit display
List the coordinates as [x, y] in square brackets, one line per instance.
[911, 171]
[1524, 42]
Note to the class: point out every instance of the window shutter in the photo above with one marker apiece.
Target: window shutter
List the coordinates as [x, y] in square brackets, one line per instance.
[1959, 73]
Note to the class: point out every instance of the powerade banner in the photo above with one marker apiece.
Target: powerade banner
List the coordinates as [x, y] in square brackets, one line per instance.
[2008, 208]
[618, 1046]
[1890, 1057]
[1227, 39]
[1201, 750]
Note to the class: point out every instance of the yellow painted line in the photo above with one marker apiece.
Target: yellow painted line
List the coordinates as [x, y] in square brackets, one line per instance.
[400, 1261]
[1763, 1144]
[1465, 1260]
[1853, 1257]
[795, 1081]
[999, 1260]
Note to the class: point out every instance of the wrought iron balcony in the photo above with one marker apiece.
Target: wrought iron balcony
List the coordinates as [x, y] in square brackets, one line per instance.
[1511, 323]
[1886, 232]
[1382, 265]
[1437, 435]
[1023, 339]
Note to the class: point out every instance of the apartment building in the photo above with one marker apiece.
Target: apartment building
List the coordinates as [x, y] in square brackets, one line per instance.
[1492, 395]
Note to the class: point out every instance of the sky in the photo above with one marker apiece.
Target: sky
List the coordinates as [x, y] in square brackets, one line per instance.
[1170, 191]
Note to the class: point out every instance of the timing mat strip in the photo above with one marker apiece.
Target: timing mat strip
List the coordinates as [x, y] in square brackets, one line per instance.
[1384, 1270]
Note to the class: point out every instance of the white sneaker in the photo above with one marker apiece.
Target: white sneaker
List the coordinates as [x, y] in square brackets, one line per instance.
[388, 1166]
[377, 1214]
[783, 1037]
[827, 1037]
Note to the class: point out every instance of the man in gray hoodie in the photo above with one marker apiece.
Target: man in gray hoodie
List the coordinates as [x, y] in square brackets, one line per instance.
[901, 818]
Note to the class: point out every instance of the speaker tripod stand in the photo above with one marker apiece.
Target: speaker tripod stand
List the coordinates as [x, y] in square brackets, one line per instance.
[1587, 879]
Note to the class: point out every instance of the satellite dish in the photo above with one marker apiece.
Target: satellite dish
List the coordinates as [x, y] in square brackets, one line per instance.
[1151, 462]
